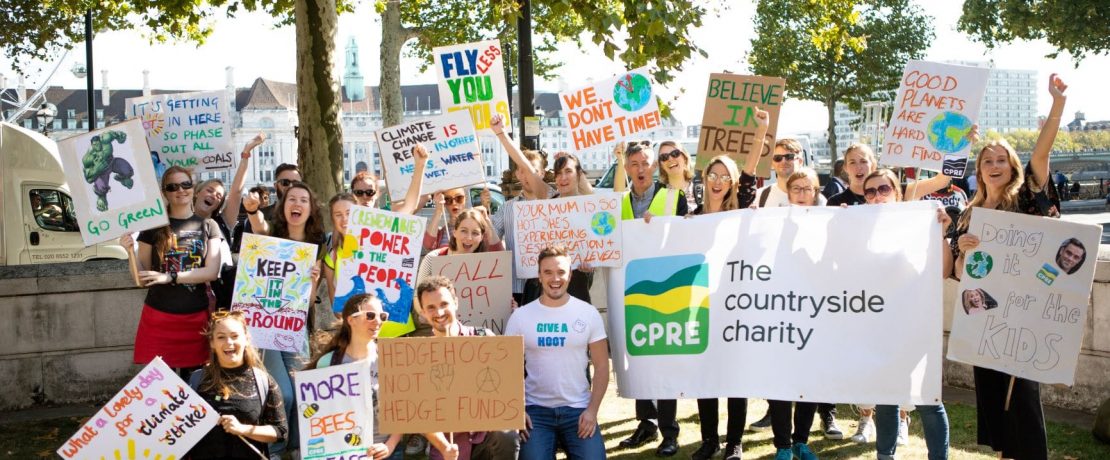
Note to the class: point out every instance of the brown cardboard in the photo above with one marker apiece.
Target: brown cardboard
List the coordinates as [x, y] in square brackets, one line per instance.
[728, 123]
[450, 384]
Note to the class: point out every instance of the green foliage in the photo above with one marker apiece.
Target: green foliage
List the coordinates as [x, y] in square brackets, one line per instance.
[1078, 27]
[831, 51]
[1023, 140]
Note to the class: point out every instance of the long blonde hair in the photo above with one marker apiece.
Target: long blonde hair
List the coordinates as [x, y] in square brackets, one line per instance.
[731, 201]
[214, 378]
[1009, 199]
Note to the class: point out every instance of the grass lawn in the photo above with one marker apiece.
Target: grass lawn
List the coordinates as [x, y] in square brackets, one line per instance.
[40, 439]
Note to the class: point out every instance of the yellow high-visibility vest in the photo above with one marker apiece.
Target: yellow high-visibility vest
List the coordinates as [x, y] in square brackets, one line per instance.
[663, 204]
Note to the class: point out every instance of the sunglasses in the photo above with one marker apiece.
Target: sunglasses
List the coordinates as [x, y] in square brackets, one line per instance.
[284, 182]
[713, 177]
[672, 154]
[370, 315]
[366, 193]
[882, 190]
[787, 157]
[221, 314]
[457, 199]
[187, 185]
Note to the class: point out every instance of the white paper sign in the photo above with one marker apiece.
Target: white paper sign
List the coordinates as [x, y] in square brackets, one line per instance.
[112, 181]
[334, 411]
[719, 300]
[191, 130]
[1024, 293]
[611, 110]
[156, 413]
[472, 78]
[587, 226]
[933, 113]
[454, 158]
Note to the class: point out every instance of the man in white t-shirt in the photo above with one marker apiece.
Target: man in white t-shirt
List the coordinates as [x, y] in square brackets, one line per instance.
[786, 159]
[561, 405]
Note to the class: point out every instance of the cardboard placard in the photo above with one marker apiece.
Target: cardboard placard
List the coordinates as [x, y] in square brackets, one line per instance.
[191, 130]
[335, 411]
[726, 288]
[728, 124]
[934, 110]
[483, 284]
[614, 109]
[379, 255]
[1024, 293]
[451, 384]
[588, 226]
[472, 78]
[156, 413]
[112, 181]
[454, 158]
[273, 288]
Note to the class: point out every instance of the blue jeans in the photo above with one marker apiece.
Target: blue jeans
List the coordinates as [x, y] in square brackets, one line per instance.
[552, 424]
[934, 421]
[280, 365]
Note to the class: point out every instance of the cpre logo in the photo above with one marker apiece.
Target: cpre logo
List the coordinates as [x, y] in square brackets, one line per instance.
[666, 305]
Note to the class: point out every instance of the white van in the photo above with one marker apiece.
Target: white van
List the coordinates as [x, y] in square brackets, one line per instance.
[39, 223]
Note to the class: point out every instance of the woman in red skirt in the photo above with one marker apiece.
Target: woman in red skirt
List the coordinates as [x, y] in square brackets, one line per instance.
[175, 262]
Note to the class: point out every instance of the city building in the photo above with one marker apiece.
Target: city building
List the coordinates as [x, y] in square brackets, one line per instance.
[1010, 103]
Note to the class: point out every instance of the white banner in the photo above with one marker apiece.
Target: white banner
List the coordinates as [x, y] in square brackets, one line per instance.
[932, 116]
[454, 158]
[334, 411]
[1023, 295]
[588, 226]
[611, 110]
[191, 130]
[112, 180]
[472, 78]
[795, 304]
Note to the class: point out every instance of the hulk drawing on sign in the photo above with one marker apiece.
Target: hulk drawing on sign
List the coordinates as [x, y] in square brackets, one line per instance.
[100, 163]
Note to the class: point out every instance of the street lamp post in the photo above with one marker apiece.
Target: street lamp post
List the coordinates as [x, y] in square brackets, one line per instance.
[89, 70]
[45, 116]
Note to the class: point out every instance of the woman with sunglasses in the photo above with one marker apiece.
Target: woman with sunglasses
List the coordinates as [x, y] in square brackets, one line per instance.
[356, 340]
[674, 170]
[247, 399]
[297, 217]
[175, 262]
[1002, 184]
[892, 424]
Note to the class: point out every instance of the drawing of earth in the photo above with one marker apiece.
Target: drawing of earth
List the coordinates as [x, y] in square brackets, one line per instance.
[602, 223]
[948, 132]
[632, 92]
[979, 264]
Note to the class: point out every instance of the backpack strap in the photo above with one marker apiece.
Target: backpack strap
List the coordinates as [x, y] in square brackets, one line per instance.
[195, 378]
[262, 384]
[764, 195]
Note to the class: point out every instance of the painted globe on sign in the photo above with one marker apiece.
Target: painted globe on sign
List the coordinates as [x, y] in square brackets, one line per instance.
[948, 132]
[602, 223]
[979, 264]
[632, 92]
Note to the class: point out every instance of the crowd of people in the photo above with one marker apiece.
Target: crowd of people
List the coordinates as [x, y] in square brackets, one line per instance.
[188, 269]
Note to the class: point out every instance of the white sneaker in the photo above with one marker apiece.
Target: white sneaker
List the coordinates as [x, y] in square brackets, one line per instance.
[903, 431]
[866, 431]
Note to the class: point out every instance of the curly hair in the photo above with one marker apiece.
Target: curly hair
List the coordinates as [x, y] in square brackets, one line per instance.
[313, 228]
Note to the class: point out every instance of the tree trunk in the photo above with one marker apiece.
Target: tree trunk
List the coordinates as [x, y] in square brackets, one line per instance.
[831, 106]
[320, 136]
[394, 36]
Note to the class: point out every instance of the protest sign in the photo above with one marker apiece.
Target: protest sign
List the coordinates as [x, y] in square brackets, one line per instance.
[156, 413]
[483, 284]
[588, 226]
[191, 130]
[273, 288]
[334, 411]
[112, 182]
[472, 78]
[612, 110]
[781, 288]
[934, 110]
[379, 255]
[1026, 316]
[450, 384]
[454, 159]
[728, 124]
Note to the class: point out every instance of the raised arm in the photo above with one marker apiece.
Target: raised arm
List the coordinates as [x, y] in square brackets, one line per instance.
[534, 177]
[620, 176]
[763, 120]
[412, 196]
[252, 203]
[235, 195]
[1041, 151]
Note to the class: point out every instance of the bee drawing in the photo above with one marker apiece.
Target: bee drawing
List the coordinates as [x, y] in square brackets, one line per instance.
[354, 438]
[309, 409]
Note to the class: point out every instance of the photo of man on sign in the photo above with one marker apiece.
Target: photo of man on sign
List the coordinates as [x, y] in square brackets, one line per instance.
[1071, 255]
